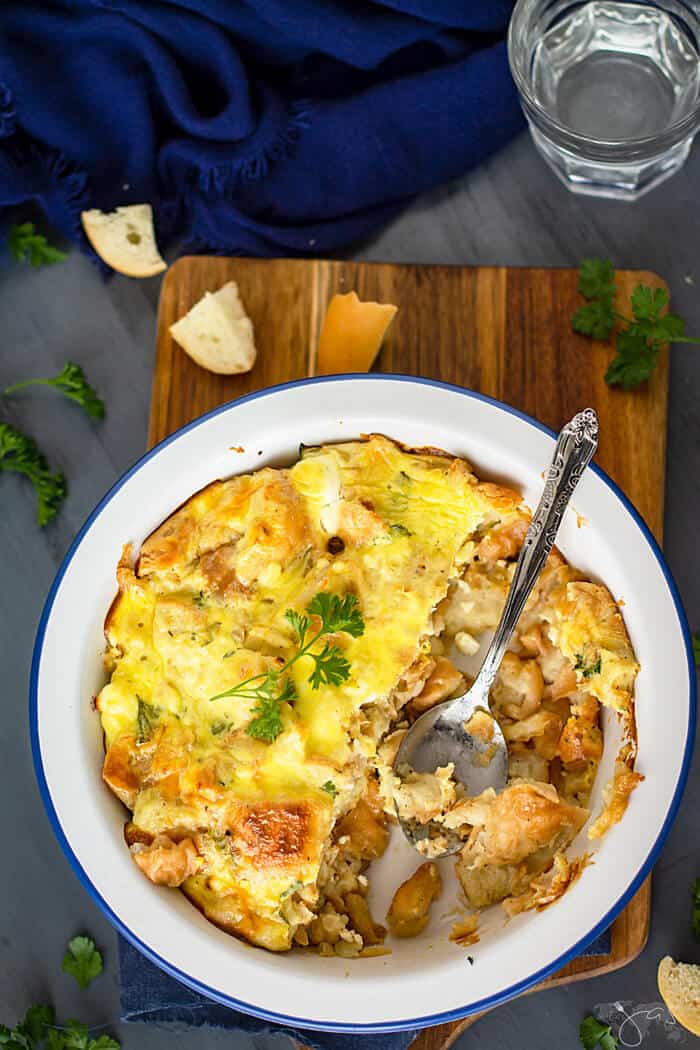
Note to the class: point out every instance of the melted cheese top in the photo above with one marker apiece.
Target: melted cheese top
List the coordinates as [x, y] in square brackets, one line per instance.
[204, 609]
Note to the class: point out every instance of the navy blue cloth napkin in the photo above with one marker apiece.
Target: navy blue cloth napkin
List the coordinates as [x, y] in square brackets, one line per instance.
[149, 994]
[260, 127]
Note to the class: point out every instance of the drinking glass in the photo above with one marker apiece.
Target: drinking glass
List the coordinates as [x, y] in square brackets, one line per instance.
[611, 90]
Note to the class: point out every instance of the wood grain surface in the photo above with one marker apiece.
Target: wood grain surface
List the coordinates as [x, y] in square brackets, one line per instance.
[504, 332]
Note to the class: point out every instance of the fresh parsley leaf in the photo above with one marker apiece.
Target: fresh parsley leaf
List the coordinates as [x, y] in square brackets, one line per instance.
[70, 381]
[639, 340]
[331, 668]
[146, 719]
[647, 303]
[695, 895]
[31, 1030]
[267, 723]
[596, 319]
[36, 1021]
[330, 788]
[11, 1039]
[288, 694]
[299, 622]
[669, 329]
[20, 453]
[596, 279]
[26, 245]
[596, 285]
[337, 614]
[82, 959]
[76, 1035]
[38, 1029]
[634, 361]
[592, 1034]
[696, 648]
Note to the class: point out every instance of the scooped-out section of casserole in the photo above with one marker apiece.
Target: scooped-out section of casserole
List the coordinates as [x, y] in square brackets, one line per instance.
[268, 648]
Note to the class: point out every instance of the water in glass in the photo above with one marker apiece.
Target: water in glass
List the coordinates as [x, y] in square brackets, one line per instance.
[616, 71]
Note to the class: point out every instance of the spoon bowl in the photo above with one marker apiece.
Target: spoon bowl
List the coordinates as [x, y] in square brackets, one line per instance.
[449, 733]
[462, 731]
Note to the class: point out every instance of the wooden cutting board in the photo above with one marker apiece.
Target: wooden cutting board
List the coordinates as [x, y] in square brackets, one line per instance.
[504, 332]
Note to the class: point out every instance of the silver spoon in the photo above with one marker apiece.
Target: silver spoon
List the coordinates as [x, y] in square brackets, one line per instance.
[441, 735]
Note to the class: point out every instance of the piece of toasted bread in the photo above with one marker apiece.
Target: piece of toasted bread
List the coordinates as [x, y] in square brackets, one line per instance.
[217, 333]
[679, 984]
[125, 239]
[351, 334]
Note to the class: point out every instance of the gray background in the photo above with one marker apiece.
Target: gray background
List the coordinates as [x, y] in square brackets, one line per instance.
[511, 211]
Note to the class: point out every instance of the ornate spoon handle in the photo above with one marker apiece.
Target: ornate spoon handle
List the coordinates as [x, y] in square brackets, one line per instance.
[574, 450]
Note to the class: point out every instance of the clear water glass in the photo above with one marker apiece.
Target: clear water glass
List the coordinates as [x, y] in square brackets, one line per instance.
[611, 90]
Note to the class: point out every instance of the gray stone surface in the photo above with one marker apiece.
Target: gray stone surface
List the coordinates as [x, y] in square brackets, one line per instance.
[511, 211]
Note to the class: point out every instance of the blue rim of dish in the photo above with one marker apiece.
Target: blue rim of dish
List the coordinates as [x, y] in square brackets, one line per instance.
[386, 1026]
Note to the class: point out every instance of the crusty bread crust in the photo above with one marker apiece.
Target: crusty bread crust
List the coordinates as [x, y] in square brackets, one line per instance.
[679, 985]
[125, 239]
[217, 333]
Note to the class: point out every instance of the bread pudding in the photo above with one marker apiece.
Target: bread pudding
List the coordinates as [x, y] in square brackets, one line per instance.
[269, 646]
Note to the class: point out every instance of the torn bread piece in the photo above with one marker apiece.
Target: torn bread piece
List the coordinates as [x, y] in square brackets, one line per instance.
[679, 985]
[217, 332]
[125, 239]
[351, 334]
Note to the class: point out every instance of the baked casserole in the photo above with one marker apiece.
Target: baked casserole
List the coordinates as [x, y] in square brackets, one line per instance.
[270, 645]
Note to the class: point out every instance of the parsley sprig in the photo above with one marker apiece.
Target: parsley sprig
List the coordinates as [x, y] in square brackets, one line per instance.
[592, 1034]
[325, 614]
[20, 453]
[70, 381]
[696, 648]
[30, 1030]
[38, 1029]
[82, 960]
[26, 245]
[695, 896]
[639, 338]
